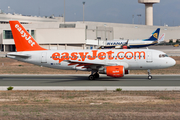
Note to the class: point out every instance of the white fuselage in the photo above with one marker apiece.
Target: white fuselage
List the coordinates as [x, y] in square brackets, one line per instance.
[129, 58]
[132, 43]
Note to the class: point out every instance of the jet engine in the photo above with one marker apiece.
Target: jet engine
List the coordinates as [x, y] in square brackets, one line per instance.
[115, 71]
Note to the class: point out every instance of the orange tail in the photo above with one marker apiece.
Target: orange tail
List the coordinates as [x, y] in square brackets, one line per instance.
[23, 40]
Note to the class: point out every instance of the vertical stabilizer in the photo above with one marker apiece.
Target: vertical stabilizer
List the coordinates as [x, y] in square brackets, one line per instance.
[161, 39]
[23, 40]
[154, 36]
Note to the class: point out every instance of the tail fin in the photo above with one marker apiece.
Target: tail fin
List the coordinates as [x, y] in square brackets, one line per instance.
[23, 40]
[154, 35]
[161, 39]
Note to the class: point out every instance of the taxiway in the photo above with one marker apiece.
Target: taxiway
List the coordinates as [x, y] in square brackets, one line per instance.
[82, 80]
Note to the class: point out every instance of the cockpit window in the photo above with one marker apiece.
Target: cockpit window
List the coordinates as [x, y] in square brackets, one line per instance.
[163, 55]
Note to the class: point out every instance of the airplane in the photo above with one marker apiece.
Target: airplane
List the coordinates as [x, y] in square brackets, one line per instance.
[114, 63]
[125, 44]
[152, 40]
[161, 39]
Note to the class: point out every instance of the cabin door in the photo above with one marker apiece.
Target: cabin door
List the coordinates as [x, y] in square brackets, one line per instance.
[44, 57]
[149, 57]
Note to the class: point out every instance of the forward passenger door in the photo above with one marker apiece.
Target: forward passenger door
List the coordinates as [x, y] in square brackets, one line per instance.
[149, 57]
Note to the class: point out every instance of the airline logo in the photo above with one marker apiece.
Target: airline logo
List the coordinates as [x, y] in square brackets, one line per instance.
[24, 35]
[94, 54]
[115, 71]
[161, 37]
[155, 35]
[115, 43]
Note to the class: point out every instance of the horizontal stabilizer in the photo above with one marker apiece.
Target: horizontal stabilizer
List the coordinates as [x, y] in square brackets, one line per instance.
[18, 55]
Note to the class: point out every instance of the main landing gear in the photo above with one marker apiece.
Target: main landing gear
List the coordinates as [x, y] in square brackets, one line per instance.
[93, 75]
[149, 74]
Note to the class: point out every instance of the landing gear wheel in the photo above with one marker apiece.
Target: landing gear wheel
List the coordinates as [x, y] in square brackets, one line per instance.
[149, 74]
[149, 77]
[96, 75]
[91, 77]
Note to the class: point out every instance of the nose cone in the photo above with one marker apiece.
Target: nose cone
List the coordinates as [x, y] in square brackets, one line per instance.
[172, 62]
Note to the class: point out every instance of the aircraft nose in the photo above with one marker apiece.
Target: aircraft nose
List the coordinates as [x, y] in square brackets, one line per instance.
[172, 62]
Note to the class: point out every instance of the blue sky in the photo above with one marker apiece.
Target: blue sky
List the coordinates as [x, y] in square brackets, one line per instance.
[116, 11]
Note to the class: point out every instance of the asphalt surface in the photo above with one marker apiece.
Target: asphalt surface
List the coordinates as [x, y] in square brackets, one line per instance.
[81, 80]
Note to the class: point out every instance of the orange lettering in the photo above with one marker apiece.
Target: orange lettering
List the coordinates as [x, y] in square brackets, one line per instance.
[118, 55]
[93, 56]
[139, 54]
[55, 56]
[110, 55]
[65, 56]
[101, 55]
[83, 57]
[74, 56]
[127, 56]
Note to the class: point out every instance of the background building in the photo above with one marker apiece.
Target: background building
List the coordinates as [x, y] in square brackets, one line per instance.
[53, 33]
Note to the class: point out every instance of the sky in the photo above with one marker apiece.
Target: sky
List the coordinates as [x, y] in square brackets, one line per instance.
[115, 11]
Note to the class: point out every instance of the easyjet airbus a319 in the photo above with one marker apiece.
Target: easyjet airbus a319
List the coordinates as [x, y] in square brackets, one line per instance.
[114, 63]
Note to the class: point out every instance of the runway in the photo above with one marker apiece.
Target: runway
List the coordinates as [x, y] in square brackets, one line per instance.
[75, 81]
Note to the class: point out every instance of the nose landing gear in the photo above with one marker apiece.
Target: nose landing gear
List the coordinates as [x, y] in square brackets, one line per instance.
[149, 74]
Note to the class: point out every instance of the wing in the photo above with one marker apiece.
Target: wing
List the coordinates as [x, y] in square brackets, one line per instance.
[86, 65]
[93, 65]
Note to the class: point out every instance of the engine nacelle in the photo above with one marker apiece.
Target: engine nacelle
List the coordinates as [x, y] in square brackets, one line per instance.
[115, 71]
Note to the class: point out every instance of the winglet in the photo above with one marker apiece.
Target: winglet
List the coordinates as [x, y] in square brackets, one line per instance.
[23, 40]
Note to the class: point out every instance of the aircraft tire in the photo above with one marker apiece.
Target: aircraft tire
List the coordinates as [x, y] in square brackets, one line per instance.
[91, 77]
[96, 75]
[149, 77]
